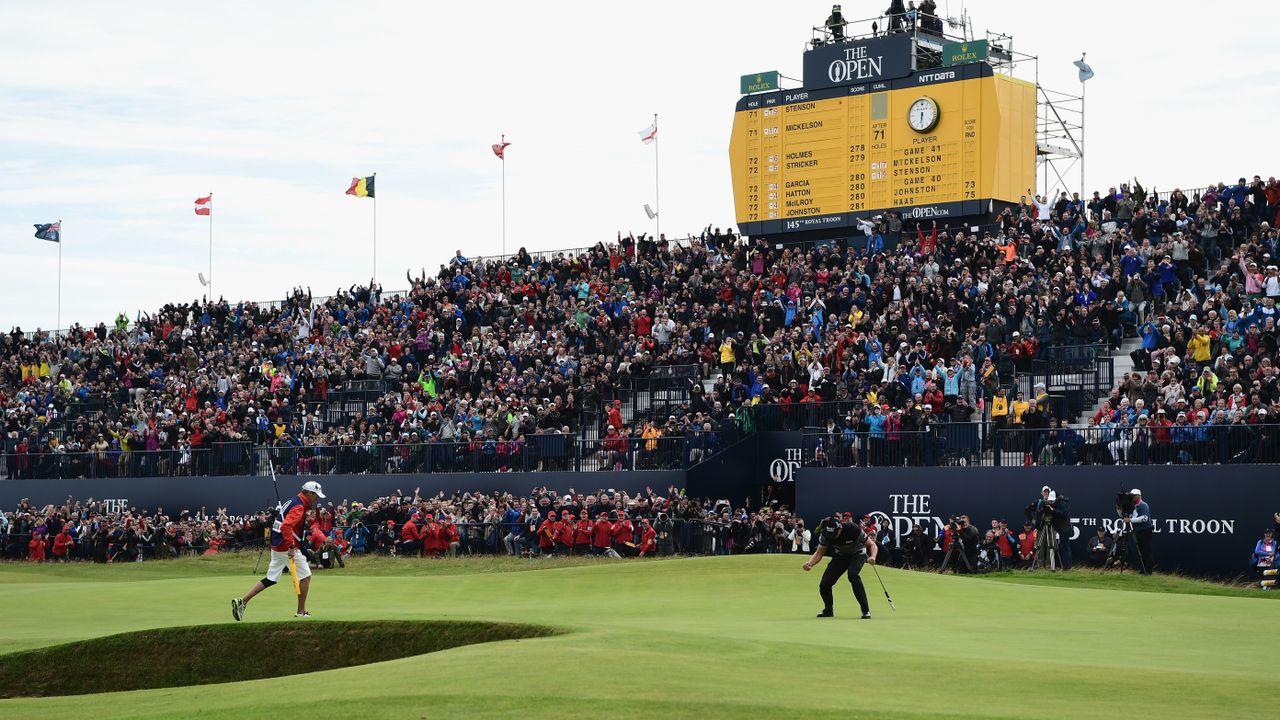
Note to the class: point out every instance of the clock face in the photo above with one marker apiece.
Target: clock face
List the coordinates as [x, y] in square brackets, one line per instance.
[923, 115]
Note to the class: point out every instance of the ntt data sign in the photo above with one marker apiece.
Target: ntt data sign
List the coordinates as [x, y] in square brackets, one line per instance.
[883, 58]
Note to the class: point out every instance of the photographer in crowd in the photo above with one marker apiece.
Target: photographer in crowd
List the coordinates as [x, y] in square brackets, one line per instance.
[970, 541]
[1100, 547]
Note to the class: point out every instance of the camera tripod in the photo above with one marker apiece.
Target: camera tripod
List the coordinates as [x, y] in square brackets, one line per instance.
[1046, 550]
[1119, 555]
[957, 548]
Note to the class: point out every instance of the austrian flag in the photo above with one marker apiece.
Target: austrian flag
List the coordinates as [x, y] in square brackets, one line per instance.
[204, 205]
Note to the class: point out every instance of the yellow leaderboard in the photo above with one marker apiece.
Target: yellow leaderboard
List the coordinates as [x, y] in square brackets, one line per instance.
[938, 143]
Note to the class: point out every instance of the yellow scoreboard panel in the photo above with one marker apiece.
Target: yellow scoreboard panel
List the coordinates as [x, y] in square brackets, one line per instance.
[938, 143]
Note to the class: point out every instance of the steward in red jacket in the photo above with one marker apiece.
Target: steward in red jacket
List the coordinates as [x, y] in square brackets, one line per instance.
[410, 539]
[624, 536]
[547, 533]
[449, 539]
[602, 535]
[62, 545]
[565, 535]
[35, 549]
[316, 538]
[582, 535]
[648, 539]
[432, 545]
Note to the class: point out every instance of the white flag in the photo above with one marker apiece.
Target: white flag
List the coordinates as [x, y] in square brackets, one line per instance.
[1086, 72]
[649, 134]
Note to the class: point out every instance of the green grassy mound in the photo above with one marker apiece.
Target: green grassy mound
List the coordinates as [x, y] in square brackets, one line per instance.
[208, 654]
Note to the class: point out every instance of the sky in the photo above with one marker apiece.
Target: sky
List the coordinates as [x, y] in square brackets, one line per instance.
[115, 116]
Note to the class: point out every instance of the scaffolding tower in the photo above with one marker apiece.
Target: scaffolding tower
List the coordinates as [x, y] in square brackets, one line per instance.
[1059, 115]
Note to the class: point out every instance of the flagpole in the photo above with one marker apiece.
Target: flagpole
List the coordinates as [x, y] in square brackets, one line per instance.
[501, 143]
[375, 232]
[657, 202]
[210, 246]
[58, 325]
[1083, 83]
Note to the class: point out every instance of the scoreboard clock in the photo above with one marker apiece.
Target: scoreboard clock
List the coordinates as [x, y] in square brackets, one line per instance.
[868, 134]
[922, 116]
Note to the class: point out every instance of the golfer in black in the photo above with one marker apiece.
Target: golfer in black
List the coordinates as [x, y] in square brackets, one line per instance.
[849, 547]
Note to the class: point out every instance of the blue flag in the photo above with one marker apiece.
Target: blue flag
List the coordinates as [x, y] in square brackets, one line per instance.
[50, 231]
[1086, 72]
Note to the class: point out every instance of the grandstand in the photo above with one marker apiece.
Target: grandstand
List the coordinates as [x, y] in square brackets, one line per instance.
[1134, 328]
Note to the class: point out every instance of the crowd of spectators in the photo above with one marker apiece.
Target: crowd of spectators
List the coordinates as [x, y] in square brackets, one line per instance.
[500, 358]
[541, 523]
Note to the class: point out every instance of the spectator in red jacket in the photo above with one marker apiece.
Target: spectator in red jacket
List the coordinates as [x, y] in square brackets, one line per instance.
[1006, 542]
[1027, 544]
[411, 538]
[35, 548]
[648, 538]
[602, 535]
[62, 545]
[615, 414]
[615, 448]
[582, 535]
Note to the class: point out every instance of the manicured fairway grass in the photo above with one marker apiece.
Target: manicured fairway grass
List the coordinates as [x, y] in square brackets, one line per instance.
[702, 637]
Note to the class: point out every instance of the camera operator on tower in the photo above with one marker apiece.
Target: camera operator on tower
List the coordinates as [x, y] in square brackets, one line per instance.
[836, 24]
[849, 548]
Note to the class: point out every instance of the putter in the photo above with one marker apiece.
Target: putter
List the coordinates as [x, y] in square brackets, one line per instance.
[882, 587]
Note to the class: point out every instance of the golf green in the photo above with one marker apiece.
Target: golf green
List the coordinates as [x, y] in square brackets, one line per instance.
[699, 637]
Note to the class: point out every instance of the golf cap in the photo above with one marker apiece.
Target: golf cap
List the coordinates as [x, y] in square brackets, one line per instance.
[1135, 491]
[314, 487]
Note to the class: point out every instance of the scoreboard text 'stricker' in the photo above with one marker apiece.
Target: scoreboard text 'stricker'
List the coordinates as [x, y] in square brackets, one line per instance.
[868, 134]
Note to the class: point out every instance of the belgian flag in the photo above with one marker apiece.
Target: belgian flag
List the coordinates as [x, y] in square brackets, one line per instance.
[362, 186]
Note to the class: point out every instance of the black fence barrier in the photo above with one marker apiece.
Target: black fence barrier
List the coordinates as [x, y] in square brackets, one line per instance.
[539, 453]
[942, 444]
[983, 445]
[1141, 444]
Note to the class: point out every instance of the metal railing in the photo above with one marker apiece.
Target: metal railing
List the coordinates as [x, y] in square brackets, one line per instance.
[983, 445]
[538, 453]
